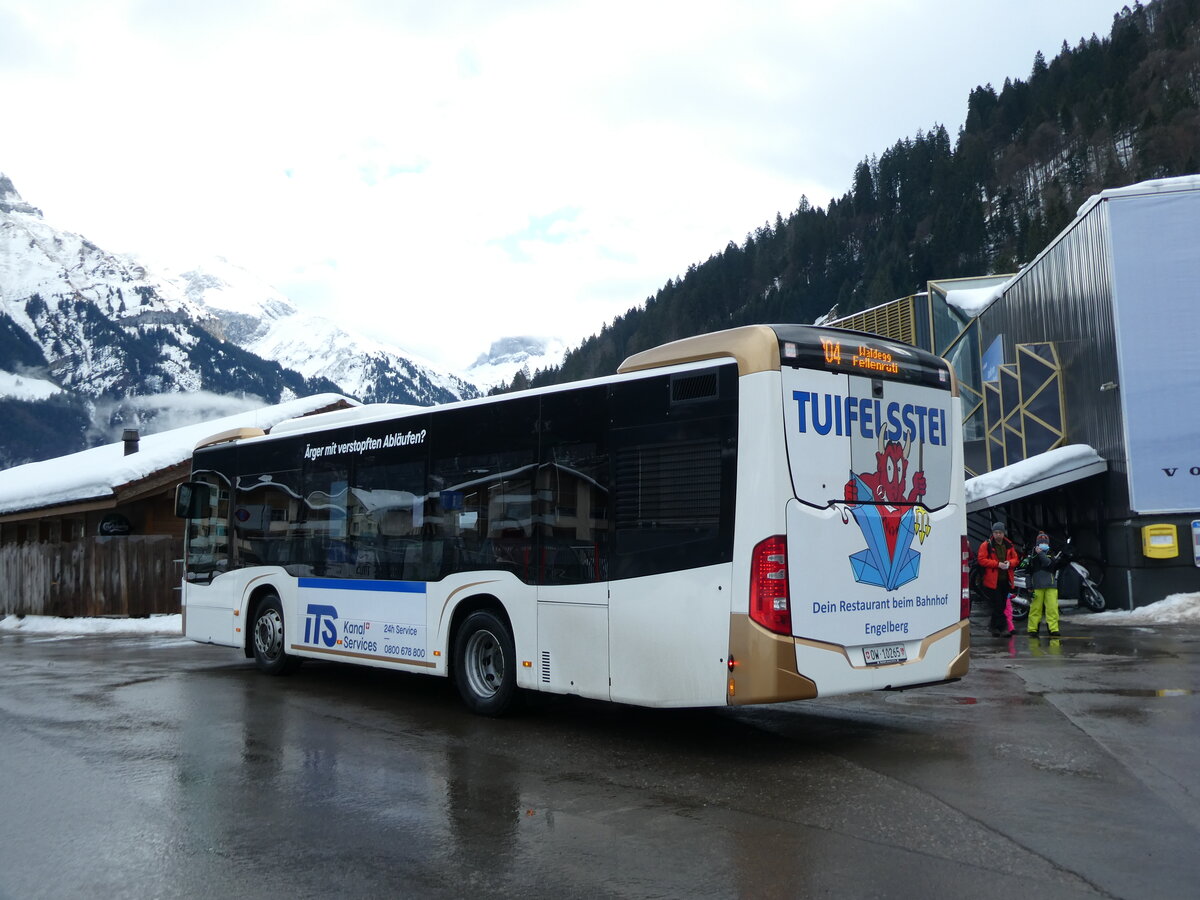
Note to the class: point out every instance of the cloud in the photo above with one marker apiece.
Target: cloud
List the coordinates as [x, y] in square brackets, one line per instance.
[162, 412]
[451, 173]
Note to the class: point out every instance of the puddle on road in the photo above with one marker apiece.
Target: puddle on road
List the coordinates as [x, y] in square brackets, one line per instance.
[931, 699]
[1075, 647]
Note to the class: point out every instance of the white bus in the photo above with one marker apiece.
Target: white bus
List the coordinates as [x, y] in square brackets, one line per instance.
[763, 514]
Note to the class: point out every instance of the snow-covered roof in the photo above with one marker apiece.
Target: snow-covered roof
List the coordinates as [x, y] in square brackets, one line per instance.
[1154, 186]
[973, 301]
[971, 295]
[1051, 469]
[98, 472]
[356, 415]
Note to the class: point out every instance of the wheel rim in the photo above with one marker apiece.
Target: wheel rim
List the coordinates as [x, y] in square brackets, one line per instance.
[268, 634]
[484, 664]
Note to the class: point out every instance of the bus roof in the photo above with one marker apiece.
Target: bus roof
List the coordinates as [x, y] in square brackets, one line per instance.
[755, 347]
[763, 348]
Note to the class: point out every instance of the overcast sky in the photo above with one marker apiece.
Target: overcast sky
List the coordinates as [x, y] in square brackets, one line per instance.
[442, 174]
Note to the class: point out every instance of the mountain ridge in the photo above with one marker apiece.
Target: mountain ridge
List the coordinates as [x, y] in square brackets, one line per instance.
[110, 331]
[1102, 114]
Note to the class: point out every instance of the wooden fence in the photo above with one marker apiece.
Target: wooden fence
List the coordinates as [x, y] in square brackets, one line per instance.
[135, 575]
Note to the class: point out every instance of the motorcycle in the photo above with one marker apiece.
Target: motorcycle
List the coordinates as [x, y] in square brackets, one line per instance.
[1072, 578]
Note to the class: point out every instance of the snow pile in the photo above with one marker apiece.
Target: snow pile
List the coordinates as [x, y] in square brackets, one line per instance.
[51, 625]
[1177, 609]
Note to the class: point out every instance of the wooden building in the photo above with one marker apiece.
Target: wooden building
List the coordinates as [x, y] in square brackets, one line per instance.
[94, 533]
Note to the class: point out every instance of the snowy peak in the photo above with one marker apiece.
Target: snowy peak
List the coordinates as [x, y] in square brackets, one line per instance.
[241, 307]
[510, 355]
[249, 312]
[111, 330]
[219, 285]
[10, 200]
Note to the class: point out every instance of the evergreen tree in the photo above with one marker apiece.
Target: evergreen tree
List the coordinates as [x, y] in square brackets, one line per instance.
[1101, 114]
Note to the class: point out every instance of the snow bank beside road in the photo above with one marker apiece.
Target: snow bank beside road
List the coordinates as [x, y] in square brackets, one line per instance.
[54, 625]
[1176, 609]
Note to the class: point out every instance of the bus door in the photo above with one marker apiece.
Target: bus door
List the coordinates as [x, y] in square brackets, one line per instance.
[207, 615]
[571, 512]
[873, 538]
[674, 451]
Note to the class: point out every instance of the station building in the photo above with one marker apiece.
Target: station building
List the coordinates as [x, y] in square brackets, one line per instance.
[1080, 378]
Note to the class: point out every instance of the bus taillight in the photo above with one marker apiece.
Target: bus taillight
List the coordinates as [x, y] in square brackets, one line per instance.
[769, 605]
[964, 609]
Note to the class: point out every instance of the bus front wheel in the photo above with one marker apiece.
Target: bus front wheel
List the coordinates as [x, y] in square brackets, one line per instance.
[485, 664]
[269, 653]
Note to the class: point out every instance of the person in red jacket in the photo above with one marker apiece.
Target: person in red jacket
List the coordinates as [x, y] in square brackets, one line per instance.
[998, 558]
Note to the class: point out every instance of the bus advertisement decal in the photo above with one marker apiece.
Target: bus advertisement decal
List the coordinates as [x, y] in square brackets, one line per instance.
[889, 560]
[376, 619]
[875, 471]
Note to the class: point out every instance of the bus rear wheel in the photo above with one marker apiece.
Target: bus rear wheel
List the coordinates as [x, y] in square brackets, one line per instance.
[485, 669]
[269, 653]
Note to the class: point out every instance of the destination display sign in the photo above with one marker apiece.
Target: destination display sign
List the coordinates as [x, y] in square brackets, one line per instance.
[861, 354]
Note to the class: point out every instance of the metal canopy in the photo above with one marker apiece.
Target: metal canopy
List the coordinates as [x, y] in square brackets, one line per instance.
[1043, 472]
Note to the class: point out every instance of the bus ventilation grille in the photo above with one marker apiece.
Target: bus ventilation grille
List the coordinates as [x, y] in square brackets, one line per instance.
[545, 667]
[689, 388]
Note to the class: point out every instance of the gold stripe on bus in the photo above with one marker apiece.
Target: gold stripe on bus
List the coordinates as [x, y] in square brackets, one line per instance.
[458, 590]
[346, 653]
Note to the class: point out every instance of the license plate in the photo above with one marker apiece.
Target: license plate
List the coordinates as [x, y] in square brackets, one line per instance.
[884, 654]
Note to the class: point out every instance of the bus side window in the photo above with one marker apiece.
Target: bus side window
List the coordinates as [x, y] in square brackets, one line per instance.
[386, 513]
[572, 488]
[674, 449]
[481, 476]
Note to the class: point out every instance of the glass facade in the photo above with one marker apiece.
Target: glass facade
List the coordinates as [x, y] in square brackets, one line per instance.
[1012, 396]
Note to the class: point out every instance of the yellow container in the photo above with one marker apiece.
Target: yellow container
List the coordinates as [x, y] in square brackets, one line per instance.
[1160, 541]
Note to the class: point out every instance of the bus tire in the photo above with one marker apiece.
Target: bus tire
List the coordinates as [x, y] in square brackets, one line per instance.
[485, 664]
[269, 639]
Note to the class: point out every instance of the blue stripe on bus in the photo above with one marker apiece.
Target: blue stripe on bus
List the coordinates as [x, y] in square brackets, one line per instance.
[362, 584]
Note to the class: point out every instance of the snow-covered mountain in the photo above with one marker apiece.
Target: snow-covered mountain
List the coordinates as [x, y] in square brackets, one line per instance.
[110, 332]
[511, 355]
[258, 318]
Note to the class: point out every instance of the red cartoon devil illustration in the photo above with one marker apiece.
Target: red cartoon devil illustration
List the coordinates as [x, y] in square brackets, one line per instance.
[885, 486]
[886, 483]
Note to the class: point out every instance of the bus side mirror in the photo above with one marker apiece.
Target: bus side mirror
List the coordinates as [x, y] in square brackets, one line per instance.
[192, 500]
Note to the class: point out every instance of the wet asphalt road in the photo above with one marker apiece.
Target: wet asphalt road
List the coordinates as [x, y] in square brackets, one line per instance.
[154, 767]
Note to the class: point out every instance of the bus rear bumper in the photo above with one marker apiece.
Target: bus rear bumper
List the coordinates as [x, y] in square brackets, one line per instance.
[770, 668]
[938, 658]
